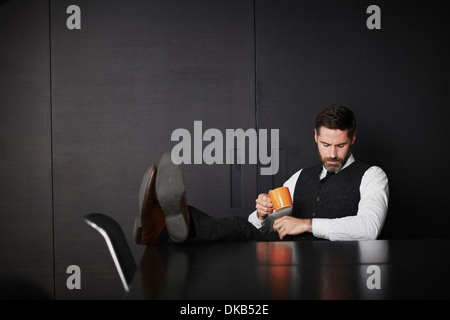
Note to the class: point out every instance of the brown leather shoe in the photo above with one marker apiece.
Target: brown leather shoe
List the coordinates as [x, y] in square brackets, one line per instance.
[152, 216]
[171, 194]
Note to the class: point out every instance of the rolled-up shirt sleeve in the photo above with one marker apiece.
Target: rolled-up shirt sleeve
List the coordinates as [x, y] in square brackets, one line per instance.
[369, 220]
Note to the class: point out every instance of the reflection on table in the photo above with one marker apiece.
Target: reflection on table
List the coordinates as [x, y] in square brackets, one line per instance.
[404, 269]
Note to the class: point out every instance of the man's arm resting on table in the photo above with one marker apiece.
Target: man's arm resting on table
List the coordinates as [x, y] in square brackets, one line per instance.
[372, 211]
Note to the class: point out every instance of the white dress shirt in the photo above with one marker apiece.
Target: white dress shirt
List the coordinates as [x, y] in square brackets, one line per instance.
[366, 225]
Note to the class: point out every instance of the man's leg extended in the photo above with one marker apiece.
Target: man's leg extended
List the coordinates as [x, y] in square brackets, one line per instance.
[188, 223]
[234, 228]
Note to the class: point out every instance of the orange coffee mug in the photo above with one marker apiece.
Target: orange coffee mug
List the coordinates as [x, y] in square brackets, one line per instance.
[281, 199]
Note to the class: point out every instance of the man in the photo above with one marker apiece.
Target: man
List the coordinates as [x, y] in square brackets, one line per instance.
[350, 202]
[340, 199]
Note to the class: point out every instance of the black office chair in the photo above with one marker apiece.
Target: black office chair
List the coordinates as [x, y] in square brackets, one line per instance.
[117, 245]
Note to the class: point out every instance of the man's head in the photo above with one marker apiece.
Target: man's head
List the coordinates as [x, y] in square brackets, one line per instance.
[335, 133]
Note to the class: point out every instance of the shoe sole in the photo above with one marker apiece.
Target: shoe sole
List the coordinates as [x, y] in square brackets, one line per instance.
[170, 190]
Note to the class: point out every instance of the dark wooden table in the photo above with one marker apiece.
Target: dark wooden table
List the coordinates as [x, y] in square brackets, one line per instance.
[381, 269]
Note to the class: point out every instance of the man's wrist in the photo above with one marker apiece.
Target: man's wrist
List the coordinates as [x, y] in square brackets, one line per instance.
[260, 217]
[309, 225]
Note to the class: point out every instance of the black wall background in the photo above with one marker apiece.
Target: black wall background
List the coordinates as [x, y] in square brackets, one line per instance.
[84, 112]
[26, 220]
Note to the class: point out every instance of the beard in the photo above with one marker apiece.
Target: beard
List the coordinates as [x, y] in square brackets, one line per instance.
[336, 163]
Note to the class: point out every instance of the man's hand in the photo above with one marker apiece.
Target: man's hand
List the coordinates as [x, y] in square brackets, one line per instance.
[293, 226]
[264, 206]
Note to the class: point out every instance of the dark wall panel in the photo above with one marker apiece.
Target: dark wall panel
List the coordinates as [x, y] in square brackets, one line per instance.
[26, 229]
[314, 53]
[133, 73]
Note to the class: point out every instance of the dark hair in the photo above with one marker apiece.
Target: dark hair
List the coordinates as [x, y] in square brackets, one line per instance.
[336, 117]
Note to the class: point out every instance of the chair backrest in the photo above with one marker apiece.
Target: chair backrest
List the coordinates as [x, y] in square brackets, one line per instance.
[117, 245]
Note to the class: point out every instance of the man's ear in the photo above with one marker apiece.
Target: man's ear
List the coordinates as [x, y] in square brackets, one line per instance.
[315, 135]
[354, 138]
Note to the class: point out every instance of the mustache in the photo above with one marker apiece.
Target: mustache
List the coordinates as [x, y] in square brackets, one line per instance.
[340, 160]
